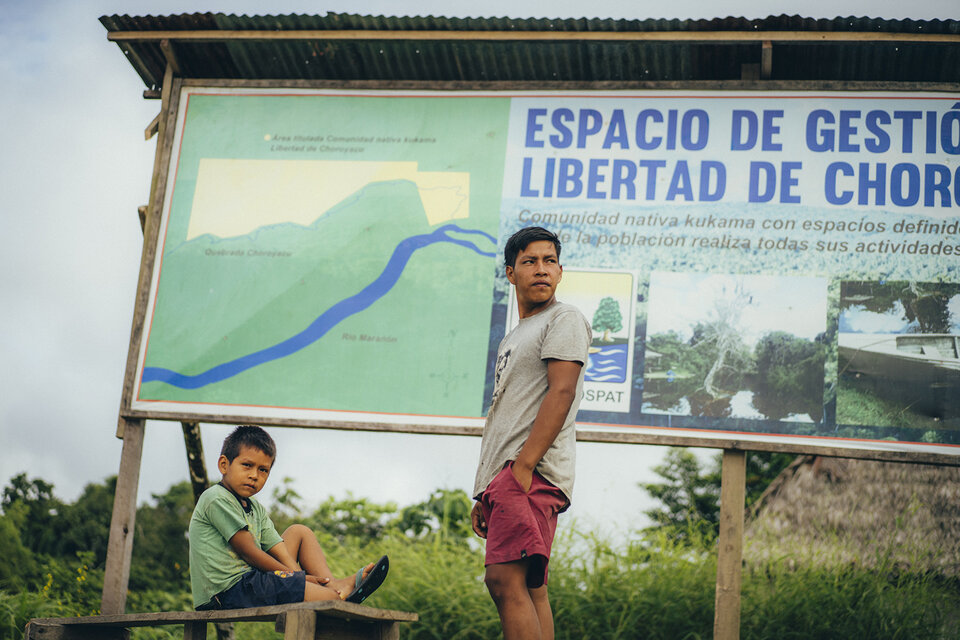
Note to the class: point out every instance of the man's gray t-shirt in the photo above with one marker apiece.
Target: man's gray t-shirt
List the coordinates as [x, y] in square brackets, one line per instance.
[559, 332]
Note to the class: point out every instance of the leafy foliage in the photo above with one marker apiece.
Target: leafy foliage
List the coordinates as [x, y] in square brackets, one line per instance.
[351, 518]
[690, 493]
[34, 498]
[655, 584]
[161, 550]
[445, 513]
[18, 561]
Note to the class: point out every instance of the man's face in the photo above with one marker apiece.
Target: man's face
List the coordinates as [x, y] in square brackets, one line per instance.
[246, 474]
[535, 274]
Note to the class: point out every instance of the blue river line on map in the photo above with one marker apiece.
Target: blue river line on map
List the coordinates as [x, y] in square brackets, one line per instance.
[328, 319]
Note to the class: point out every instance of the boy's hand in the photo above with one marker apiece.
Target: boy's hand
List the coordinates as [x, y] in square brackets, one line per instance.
[476, 518]
[316, 580]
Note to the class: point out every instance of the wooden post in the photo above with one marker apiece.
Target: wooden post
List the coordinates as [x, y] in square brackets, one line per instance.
[300, 624]
[766, 60]
[195, 630]
[195, 463]
[150, 224]
[733, 476]
[116, 575]
[200, 482]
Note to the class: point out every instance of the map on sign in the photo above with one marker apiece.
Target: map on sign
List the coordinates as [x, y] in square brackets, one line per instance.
[312, 283]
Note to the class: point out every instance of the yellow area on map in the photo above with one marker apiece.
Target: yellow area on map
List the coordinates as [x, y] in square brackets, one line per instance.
[234, 197]
[589, 284]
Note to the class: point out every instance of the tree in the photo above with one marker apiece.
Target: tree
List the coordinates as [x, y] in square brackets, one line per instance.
[39, 530]
[724, 334]
[19, 563]
[161, 550]
[607, 318]
[690, 495]
[357, 519]
[446, 512]
[789, 376]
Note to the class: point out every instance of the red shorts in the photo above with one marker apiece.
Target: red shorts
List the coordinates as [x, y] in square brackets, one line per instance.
[521, 525]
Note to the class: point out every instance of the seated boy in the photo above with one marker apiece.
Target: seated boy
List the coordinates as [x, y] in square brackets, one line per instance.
[237, 558]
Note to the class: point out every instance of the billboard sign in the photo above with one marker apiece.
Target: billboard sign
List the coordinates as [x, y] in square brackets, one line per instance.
[782, 265]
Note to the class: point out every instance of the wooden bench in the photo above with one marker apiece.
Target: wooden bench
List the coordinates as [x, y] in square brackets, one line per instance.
[333, 620]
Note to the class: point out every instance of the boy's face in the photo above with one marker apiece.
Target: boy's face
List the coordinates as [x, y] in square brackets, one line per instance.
[535, 274]
[246, 474]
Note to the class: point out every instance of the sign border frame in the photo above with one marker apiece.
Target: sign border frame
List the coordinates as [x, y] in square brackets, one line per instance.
[881, 450]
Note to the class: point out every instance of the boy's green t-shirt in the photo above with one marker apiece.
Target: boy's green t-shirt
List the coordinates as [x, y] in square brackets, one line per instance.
[214, 565]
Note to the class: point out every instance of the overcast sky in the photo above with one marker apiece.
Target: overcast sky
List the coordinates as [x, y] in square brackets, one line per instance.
[74, 169]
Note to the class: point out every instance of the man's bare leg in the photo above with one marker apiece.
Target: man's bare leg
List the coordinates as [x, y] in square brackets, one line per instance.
[544, 613]
[519, 616]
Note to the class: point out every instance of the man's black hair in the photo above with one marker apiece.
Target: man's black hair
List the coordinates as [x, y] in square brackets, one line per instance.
[522, 239]
[248, 435]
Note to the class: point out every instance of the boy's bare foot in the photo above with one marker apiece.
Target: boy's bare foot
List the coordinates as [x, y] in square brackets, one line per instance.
[313, 591]
[345, 586]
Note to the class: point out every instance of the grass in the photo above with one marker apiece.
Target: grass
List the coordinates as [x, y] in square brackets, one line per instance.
[653, 587]
[857, 404]
[650, 587]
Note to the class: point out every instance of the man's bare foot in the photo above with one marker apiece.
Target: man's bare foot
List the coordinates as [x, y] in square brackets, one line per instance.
[345, 586]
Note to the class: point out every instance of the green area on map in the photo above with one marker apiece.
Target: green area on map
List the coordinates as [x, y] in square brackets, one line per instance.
[419, 349]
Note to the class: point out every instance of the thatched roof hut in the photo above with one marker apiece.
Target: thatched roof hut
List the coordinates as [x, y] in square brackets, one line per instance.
[860, 512]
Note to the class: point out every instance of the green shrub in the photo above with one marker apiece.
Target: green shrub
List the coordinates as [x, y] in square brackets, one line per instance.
[658, 586]
[16, 609]
[821, 602]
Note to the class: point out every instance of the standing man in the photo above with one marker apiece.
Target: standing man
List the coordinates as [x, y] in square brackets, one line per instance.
[526, 470]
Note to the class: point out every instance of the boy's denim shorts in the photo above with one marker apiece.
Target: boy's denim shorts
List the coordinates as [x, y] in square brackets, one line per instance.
[260, 589]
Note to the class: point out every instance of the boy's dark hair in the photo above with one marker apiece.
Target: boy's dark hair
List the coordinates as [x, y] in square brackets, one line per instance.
[248, 435]
[522, 239]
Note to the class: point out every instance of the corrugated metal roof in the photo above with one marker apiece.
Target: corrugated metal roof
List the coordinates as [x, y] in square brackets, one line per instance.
[616, 56]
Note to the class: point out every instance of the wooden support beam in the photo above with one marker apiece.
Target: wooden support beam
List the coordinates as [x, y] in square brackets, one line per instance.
[116, 575]
[40, 631]
[308, 620]
[210, 35]
[167, 47]
[195, 462]
[733, 475]
[151, 225]
[120, 544]
[199, 481]
[153, 128]
[766, 60]
[136, 60]
[298, 625]
[195, 631]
